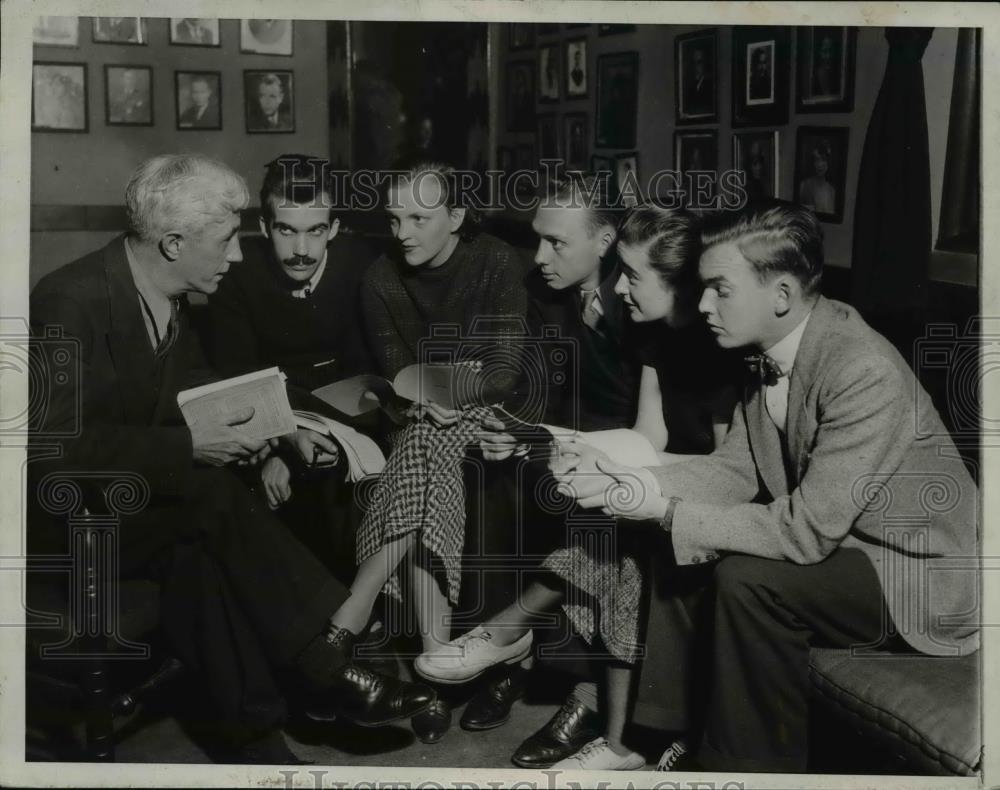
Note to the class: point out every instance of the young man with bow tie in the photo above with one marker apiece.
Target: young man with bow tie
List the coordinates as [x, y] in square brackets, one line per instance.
[834, 437]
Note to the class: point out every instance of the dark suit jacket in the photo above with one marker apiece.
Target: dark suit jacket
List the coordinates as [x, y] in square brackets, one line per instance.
[118, 409]
[870, 466]
[593, 386]
[254, 321]
[257, 121]
[208, 120]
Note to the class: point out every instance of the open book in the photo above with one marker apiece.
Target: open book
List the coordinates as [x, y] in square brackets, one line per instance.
[364, 457]
[448, 385]
[263, 391]
[622, 445]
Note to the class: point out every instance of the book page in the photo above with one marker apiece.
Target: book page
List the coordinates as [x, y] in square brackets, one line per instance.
[356, 395]
[364, 456]
[263, 391]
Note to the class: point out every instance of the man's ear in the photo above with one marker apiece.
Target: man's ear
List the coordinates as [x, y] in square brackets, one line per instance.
[334, 227]
[784, 294]
[606, 238]
[171, 245]
[456, 217]
[263, 227]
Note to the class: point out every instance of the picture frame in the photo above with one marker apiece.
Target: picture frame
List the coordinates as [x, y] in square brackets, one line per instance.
[198, 100]
[617, 100]
[520, 36]
[761, 75]
[267, 36]
[549, 142]
[128, 95]
[194, 32]
[56, 31]
[120, 30]
[614, 30]
[821, 170]
[576, 68]
[601, 164]
[269, 101]
[696, 151]
[59, 101]
[756, 155]
[577, 137]
[627, 170]
[549, 79]
[826, 59]
[520, 96]
[696, 77]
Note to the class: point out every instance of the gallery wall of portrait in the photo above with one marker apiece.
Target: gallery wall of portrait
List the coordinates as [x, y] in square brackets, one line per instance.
[109, 92]
[647, 98]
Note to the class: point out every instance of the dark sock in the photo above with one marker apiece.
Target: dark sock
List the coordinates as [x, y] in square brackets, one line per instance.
[320, 662]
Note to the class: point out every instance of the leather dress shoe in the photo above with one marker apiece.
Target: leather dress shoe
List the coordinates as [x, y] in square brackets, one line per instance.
[369, 698]
[431, 725]
[490, 707]
[565, 733]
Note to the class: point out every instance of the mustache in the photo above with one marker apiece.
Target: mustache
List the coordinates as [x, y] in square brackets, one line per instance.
[299, 260]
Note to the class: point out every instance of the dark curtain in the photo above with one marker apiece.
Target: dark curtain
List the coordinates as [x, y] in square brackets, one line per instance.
[892, 220]
[958, 230]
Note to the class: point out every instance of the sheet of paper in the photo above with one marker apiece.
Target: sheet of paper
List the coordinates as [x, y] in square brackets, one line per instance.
[356, 395]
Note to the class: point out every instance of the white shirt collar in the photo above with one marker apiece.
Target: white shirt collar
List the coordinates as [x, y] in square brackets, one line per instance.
[598, 307]
[783, 352]
[300, 293]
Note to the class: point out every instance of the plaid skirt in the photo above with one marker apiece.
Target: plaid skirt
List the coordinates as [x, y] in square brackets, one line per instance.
[604, 590]
[422, 489]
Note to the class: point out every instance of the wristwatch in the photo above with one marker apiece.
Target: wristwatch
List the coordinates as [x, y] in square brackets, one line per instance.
[667, 521]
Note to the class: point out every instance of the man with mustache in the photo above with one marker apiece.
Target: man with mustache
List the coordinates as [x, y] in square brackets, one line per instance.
[293, 304]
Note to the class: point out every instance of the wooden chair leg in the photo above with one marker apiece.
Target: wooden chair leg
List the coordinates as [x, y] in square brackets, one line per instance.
[99, 725]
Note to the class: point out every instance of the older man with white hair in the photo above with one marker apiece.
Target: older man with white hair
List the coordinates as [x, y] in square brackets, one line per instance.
[240, 597]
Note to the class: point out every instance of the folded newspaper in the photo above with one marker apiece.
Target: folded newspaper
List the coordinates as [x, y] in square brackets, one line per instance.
[263, 391]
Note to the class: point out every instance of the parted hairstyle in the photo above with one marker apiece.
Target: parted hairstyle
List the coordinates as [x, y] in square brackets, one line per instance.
[673, 239]
[454, 194]
[776, 237]
[575, 190]
[183, 193]
[299, 179]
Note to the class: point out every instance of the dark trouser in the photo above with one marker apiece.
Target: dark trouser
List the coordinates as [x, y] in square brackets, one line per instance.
[768, 613]
[240, 595]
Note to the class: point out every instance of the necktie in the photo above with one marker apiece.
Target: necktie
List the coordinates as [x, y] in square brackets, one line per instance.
[591, 317]
[765, 368]
[171, 335]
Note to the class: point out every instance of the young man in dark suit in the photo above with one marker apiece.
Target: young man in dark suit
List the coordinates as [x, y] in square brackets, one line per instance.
[241, 598]
[800, 506]
[571, 288]
[294, 304]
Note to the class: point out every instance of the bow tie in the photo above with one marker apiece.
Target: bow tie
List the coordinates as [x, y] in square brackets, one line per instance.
[765, 368]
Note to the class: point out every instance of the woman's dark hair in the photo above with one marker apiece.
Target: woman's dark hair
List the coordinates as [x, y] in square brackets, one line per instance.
[455, 193]
[673, 239]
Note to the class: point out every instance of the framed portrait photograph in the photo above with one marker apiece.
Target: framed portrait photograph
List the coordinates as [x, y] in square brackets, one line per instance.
[761, 74]
[59, 97]
[826, 58]
[756, 156]
[520, 96]
[548, 74]
[195, 32]
[269, 102]
[120, 30]
[696, 80]
[576, 68]
[627, 175]
[821, 170]
[617, 100]
[128, 95]
[548, 137]
[56, 31]
[601, 164]
[614, 30]
[520, 35]
[697, 152]
[577, 139]
[266, 36]
[198, 99]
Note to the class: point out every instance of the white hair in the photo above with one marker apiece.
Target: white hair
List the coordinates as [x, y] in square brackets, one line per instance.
[182, 192]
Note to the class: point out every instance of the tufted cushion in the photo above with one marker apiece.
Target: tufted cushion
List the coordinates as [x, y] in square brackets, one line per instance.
[925, 709]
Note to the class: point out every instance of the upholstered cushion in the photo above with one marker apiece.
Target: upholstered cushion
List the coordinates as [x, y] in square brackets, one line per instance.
[924, 708]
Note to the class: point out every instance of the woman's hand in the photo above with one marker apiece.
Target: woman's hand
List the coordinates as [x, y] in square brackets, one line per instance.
[438, 415]
[496, 444]
[277, 482]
